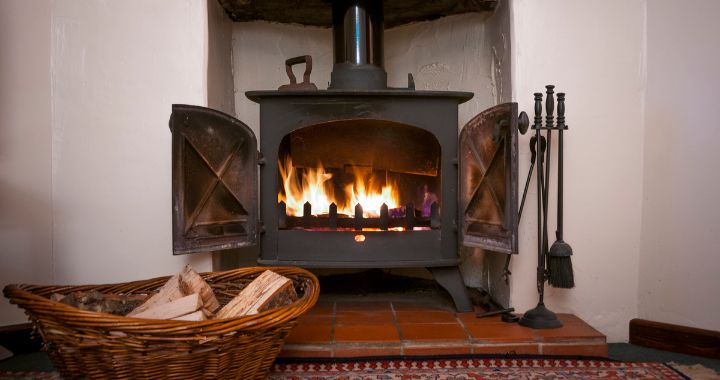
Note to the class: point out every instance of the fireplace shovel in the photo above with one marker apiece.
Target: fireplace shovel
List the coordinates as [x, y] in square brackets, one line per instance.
[560, 271]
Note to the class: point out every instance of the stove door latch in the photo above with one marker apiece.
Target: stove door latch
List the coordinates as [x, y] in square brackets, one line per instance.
[501, 127]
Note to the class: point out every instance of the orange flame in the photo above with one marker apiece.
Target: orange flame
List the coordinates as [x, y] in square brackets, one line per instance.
[315, 185]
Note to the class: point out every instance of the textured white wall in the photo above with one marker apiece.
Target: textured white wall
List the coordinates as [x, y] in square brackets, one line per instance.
[679, 261]
[25, 148]
[593, 51]
[220, 85]
[452, 53]
[86, 90]
[118, 66]
[449, 54]
[259, 51]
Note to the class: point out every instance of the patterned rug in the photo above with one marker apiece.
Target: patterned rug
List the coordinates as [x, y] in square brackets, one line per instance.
[446, 369]
[472, 369]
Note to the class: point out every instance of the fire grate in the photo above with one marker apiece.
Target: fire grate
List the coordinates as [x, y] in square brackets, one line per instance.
[406, 218]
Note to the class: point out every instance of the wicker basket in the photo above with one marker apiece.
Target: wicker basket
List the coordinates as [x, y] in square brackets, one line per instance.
[85, 344]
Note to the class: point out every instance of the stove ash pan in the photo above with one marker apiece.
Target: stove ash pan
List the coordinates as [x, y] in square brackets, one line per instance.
[451, 191]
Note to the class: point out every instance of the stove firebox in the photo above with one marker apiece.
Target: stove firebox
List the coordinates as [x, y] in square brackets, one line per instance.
[398, 188]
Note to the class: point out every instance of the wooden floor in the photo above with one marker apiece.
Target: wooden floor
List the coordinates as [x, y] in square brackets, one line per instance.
[357, 328]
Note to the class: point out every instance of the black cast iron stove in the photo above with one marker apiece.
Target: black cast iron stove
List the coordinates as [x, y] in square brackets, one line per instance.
[447, 190]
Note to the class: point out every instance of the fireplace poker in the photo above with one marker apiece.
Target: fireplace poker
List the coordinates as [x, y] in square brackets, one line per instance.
[533, 155]
[549, 124]
[540, 190]
[560, 271]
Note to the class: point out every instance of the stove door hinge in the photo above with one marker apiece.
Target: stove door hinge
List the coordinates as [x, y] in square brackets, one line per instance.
[455, 162]
[260, 159]
[260, 227]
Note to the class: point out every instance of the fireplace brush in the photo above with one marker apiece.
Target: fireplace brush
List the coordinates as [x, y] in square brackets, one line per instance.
[560, 271]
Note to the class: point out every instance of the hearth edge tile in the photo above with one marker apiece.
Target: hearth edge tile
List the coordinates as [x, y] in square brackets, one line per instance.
[507, 349]
[411, 328]
[368, 350]
[579, 348]
[450, 348]
[306, 351]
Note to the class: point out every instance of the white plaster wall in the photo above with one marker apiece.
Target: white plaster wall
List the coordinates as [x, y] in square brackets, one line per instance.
[25, 148]
[679, 262]
[452, 53]
[259, 51]
[594, 52]
[117, 67]
[220, 85]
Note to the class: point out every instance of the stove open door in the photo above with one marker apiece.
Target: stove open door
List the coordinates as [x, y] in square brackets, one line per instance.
[214, 181]
[488, 180]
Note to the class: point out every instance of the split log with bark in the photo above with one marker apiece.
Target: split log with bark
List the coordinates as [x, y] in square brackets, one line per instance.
[266, 291]
[186, 296]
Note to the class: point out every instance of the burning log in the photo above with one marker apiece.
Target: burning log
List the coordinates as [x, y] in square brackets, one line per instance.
[397, 212]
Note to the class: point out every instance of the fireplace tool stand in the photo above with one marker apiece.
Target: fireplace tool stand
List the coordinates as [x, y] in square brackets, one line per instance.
[541, 317]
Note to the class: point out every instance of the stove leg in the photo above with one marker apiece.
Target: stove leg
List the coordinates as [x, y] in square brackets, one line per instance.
[451, 279]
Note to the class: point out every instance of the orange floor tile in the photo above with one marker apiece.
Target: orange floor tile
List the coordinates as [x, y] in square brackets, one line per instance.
[361, 328]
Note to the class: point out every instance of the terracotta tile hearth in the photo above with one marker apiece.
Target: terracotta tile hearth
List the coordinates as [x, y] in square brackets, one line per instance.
[388, 328]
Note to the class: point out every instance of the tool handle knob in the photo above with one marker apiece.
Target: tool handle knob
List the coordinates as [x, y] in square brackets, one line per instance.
[561, 110]
[549, 107]
[537, 122]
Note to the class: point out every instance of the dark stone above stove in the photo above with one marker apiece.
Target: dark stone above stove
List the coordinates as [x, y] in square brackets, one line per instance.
[319, 12]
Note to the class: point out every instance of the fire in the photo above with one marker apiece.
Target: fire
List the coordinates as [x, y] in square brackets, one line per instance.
[315, 185]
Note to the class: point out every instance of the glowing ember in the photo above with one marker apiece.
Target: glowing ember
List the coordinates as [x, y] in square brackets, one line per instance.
[314, 185]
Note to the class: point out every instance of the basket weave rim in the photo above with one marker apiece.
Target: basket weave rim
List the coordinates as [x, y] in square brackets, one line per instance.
[27, 297]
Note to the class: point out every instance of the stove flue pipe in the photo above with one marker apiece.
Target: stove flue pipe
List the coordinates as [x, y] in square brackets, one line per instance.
[358, 45]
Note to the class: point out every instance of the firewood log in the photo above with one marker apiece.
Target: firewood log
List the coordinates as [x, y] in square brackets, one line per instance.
[167, 293]
[118, 304]
[179, 307]
[194, 316]
[268, 289]
[191, 282]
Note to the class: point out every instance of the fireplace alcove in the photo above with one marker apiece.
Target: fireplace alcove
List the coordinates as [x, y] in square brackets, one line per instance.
[474, 179]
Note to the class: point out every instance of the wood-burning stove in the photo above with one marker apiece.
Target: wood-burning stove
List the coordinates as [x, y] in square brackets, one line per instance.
[447, 190]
